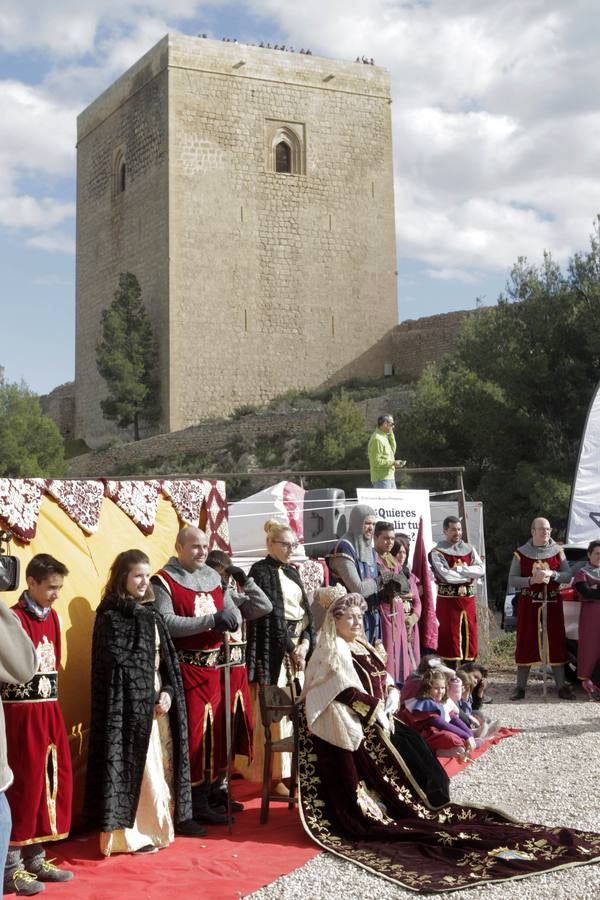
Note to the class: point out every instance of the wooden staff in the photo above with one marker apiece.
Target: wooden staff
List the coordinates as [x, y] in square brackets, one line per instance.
[545, 642]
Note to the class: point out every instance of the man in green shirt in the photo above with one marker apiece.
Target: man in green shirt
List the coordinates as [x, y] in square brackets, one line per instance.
[382, 452]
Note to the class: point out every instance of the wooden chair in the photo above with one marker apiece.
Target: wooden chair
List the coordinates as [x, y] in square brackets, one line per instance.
[275, 705]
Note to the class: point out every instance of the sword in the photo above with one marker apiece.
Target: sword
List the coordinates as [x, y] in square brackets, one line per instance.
[227, 677]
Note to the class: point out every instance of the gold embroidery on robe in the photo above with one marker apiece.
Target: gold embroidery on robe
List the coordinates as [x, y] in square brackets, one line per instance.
[360, 708]
[371, 805]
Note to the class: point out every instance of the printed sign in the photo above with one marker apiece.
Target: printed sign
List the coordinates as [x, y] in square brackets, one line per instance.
[403, 509]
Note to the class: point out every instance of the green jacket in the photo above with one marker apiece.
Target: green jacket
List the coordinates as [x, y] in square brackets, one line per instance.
[382, 453]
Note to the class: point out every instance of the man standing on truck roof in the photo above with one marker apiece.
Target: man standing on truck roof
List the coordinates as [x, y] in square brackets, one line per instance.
[538, 569]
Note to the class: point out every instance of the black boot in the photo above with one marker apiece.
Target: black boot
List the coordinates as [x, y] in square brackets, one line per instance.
[217, 797]
[190, 828]
[202, 810]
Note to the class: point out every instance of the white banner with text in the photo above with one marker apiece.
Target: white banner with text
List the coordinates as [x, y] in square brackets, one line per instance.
[403, 509]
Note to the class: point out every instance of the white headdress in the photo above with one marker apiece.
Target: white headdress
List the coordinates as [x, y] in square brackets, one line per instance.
[329, 671]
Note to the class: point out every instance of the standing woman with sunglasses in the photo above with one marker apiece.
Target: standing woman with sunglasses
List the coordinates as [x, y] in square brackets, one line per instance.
[279, 644]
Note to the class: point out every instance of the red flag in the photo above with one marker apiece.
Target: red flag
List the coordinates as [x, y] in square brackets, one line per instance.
[428, 624]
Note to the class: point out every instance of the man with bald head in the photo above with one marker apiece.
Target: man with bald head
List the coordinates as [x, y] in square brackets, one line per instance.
[538, 569]
[197, 612]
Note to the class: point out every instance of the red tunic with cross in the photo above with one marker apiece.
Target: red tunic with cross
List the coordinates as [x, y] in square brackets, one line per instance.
[529, 614]
[202, 683]
[37, 745]
[456, 607]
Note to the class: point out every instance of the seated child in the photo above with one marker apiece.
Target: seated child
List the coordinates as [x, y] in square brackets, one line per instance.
[482, 726]
[444, 732]
[480, 672]
[410, 688]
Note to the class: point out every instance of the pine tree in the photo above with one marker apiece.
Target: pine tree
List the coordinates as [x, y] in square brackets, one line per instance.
[126, 359]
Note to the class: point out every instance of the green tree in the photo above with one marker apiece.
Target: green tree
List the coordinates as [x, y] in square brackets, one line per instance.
[340, 443]
[30, 442]
[126, 359]
[510, 403]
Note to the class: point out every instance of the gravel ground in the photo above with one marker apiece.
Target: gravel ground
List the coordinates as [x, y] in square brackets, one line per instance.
[549, 774]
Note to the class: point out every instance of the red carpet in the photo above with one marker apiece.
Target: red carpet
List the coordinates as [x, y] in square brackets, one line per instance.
[453, 766]
[217, 866]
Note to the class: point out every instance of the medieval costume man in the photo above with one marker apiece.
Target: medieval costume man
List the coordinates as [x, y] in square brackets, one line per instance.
[538, 569]
[138, 791]
[353, 563]
[366, 797]
[456, 568]
[197, 612]
[37, 745]
[253, 604]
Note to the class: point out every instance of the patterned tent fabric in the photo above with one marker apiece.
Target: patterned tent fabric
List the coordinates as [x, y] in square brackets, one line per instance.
[20, 502]
[312, 575]
[187, 498]
[192, 499]
[138, 499]
[81, 500]
[217, 522]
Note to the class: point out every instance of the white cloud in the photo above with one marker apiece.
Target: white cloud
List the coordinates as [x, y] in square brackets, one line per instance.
[37, 133]
[68, 29]
[495, 114]
[28, 212]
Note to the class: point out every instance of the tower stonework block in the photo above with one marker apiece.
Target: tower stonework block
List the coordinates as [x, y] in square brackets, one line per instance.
[251, 193]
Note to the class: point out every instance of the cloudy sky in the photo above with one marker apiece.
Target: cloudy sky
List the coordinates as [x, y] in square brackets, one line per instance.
[496, 124]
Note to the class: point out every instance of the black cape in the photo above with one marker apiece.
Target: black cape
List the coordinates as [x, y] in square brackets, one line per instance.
[268, 637]
[123, 698]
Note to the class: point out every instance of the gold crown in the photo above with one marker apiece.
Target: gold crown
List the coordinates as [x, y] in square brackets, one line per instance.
[329, 594]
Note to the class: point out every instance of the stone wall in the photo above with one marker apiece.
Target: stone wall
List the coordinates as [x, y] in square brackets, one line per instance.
[59, 405]
[416, 342]
[121, 230]
[297, 257]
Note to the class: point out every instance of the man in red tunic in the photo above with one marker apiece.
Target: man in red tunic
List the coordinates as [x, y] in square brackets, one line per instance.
[38, 749]
[197, 612]
[456, 568]
[253, 604]
[538, 569]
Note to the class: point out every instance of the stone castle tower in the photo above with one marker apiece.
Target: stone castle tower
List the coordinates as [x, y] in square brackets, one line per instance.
[251, 192]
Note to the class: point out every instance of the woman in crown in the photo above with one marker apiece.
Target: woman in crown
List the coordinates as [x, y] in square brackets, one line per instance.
[372, 792]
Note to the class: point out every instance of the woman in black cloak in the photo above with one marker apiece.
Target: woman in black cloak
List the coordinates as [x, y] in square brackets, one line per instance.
[138, 790]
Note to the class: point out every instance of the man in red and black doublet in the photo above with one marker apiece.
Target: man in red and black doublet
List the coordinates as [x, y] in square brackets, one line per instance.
[456, 568]
[37, 745]
[253, 603]
[197, 612]
[538, 569]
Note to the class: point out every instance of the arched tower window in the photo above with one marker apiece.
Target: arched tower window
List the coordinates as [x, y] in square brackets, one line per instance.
[119, 178]
[285, 148]
[283, 157]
